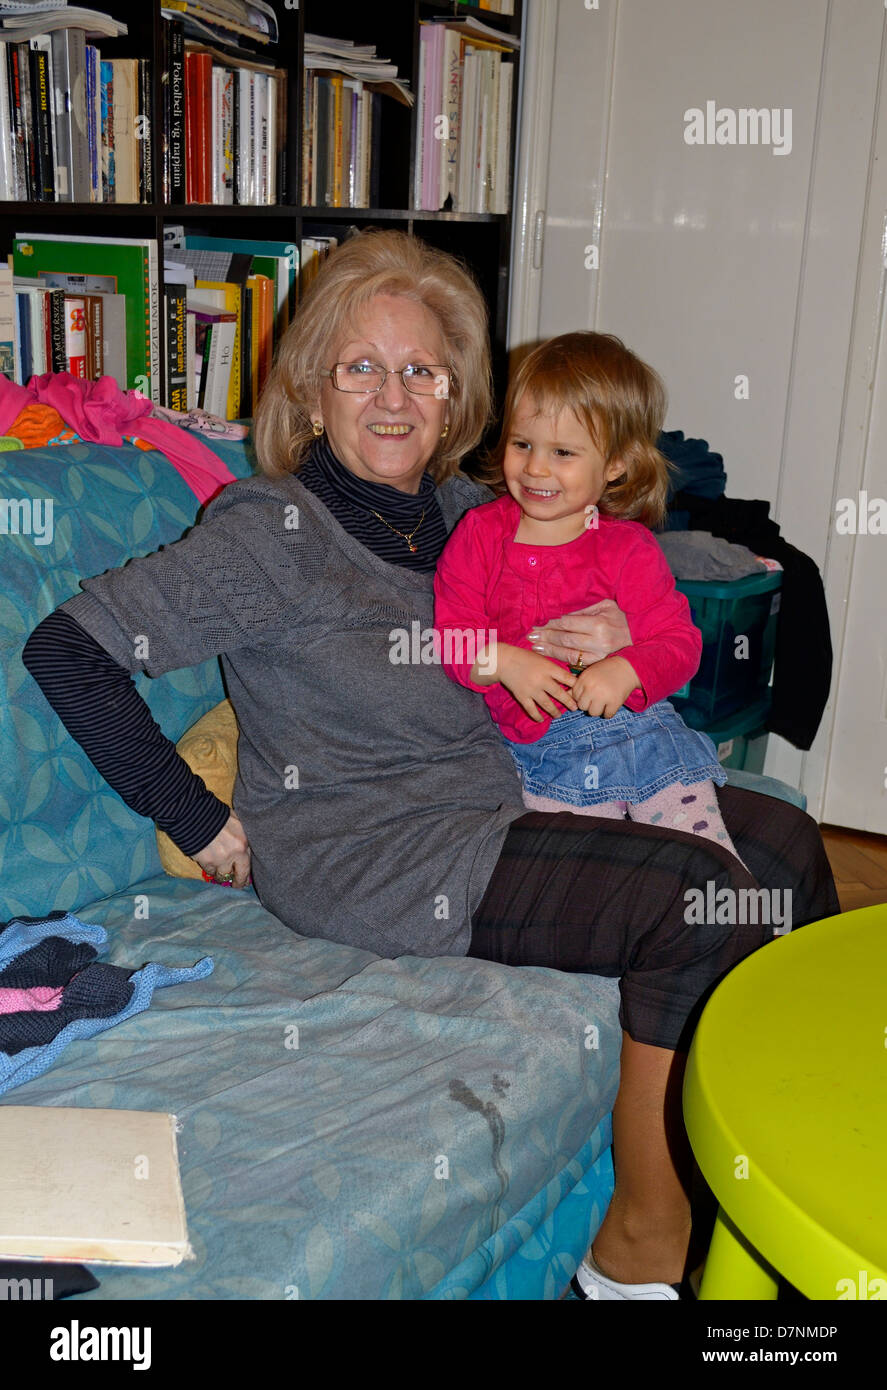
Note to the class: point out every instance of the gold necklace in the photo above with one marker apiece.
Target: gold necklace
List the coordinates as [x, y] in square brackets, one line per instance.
[409, 538]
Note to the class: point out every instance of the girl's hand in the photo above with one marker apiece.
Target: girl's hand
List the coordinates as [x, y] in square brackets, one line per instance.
[228, 853]
[591, 633]
[535, 682]
[603, 689]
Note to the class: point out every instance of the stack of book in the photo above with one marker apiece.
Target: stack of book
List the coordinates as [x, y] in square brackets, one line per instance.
[93, 306]
[224, 124]
[74, 127]
[464, 100]
[87, 305]
[341, 153]
[227, 302]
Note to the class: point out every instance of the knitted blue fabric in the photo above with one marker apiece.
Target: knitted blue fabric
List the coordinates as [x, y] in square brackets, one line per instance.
[22, 934]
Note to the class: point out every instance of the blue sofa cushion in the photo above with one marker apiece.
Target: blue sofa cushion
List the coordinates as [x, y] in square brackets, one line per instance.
[65, 837]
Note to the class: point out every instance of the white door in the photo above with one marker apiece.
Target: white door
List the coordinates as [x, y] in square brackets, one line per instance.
[746, 273]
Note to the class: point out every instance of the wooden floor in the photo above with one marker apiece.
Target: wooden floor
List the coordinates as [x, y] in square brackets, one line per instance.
[859, 864]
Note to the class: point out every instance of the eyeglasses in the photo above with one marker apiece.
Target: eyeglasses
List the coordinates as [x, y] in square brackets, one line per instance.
[418, 378]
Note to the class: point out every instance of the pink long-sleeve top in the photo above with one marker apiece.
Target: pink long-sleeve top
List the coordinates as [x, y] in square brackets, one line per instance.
[489, 583]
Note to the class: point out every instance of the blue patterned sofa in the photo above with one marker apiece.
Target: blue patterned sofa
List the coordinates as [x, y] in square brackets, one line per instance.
[442, 1128]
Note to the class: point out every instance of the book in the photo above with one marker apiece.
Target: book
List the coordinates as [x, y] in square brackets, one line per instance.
[128, 267]
[94, 121]
[125, 100]
[178, 172]
[41, 115]
[277, 259]
[111, 325]
[69, 76]
[175, 393]
[74, 1186]
[7, 323]
[108, 160]
[75, 336]
[144, 128]
[227, 296]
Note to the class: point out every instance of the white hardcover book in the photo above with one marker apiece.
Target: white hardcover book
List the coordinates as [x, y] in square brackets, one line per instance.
[38, 331]
[216, 135]
[271, 175]
[451, 85]
[256, 102]
[420, 121]
[495, 68]
[261, 137]
[503, 143]
[468, 131]
[7, 143]
[244, 135]
[218, 372]
[67, 1189]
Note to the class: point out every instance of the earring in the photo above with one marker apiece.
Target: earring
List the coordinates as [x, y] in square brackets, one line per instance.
[445, 431]
[317, 427]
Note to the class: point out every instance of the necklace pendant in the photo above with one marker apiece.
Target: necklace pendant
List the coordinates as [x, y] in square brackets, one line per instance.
[414, 548]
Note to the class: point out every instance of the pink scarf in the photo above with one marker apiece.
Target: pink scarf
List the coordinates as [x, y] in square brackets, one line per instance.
[101, 413]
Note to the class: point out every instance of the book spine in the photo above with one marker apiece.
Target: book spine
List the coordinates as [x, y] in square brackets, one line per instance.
[192, 172]
[95, 333]
[61, 100]
[152, 316]
[41, 124]
[175, 392]
[178, 175]
[227, 136]
[16, 123]
[7, 143]
[164, 112]
[145, 133]
[252, 139]
[57, 316]
[216, 144]
[23, 65]
[109, 167]
[245, 407]
[205, 351]
[75, 336]
[376, 148]
[307, 136]
[204, 130]
[23, 318]
[46, 310]
[337, 142]
[80, 181]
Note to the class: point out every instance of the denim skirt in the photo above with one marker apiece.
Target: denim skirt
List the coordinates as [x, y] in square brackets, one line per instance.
[583, 760]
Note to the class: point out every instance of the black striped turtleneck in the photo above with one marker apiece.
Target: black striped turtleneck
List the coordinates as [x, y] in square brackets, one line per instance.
[98, 703]
[354, 501]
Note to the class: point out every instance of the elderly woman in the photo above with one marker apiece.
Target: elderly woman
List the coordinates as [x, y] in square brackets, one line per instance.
[375, 802]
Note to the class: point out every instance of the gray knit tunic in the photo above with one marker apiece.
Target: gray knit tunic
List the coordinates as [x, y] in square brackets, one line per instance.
[375, 795]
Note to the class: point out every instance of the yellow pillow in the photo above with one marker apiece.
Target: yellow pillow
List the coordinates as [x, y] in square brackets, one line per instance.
[210, 749]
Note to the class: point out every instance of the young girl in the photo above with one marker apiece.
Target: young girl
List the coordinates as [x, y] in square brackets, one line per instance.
[584, 483]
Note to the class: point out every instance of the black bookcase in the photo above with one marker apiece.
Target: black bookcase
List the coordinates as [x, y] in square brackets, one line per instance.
[482, 240]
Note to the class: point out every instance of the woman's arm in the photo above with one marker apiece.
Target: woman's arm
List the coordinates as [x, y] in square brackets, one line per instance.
[224, 586]
[97, 702]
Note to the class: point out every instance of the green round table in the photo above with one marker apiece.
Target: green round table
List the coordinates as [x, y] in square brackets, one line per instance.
[785, 1103]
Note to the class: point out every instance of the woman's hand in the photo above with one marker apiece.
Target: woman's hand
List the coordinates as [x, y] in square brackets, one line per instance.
[228, 853]
[603, 689]
[534, 681]
[590, 633]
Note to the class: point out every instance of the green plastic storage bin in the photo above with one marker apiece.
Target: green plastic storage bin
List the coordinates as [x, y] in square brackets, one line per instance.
[741, 739]
[738, 625]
